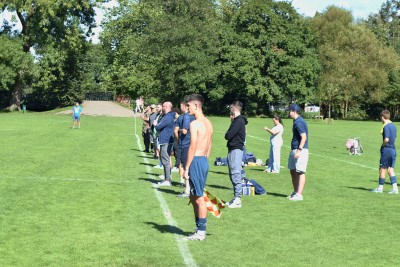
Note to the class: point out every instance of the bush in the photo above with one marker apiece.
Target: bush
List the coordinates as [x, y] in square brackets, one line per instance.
[310, 115]
[356, 114]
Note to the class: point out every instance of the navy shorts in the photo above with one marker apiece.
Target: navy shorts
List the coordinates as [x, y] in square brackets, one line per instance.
[184, 156]
[198, 172]
[76, 118]
[388, 157]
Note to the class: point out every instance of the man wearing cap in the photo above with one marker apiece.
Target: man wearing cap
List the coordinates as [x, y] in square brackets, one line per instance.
[298, 157]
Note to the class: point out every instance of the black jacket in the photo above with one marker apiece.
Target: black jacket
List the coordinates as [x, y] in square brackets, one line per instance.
[236, 134]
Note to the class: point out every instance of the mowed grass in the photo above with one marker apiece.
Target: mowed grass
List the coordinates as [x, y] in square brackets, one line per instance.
[86, 198]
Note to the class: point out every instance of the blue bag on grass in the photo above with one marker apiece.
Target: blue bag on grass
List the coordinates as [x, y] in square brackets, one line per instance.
[258, 189]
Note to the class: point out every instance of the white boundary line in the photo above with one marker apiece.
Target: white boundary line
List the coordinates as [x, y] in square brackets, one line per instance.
[317, 155]
[322, 156]
[182, 244]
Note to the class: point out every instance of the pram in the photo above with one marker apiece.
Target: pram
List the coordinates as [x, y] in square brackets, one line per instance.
[354, 146]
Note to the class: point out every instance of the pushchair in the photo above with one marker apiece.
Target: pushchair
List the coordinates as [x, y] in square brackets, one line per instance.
[354, 146]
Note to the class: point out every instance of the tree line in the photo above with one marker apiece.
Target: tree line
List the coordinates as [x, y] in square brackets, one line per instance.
[261, 52]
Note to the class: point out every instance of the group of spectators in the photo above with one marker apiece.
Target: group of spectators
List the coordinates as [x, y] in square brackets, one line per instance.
[187, 134]
[190, 133]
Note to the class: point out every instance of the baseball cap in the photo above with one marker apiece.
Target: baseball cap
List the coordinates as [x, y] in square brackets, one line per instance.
[294, 107]
[153, 106]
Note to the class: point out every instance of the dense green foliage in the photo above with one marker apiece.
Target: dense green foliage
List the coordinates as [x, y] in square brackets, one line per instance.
[261, 52]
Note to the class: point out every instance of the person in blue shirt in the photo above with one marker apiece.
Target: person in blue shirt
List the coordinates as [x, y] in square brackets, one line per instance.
[388, 154]
[76, 115]
[298, 157]
[166, 139]
[183, 135]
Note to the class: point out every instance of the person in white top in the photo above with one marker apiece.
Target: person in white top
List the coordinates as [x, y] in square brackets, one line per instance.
[274, 162]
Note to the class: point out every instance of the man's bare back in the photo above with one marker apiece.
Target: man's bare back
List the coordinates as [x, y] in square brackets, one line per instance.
[203, 130]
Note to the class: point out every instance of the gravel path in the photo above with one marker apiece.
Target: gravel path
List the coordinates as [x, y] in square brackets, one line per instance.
[102, 108]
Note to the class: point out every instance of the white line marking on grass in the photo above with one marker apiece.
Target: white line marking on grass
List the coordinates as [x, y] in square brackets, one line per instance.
[182, 244]
[322, 156]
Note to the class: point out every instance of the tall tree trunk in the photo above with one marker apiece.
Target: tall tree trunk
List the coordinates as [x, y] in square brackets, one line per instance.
[329, 110]
[15, 103]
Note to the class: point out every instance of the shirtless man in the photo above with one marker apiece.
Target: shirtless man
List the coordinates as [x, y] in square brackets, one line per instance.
[196, 170]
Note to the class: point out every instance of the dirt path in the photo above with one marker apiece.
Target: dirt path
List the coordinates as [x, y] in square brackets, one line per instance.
[102, 108]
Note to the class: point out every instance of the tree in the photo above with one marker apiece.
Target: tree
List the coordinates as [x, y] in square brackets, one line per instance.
[14, 63]
[267, 54]
[46, 21]
[356, 65]
[162, 48]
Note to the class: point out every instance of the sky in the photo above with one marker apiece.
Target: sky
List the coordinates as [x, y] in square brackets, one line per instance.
[359, 9]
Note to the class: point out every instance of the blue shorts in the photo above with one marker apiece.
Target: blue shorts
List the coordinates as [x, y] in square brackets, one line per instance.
[184, 156]
[388, 157]
[76, 117]
[198, 172]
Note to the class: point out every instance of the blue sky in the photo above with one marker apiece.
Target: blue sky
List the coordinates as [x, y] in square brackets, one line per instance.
[359, 8]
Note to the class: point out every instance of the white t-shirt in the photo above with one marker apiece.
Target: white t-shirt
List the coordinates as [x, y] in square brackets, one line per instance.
[276, 139]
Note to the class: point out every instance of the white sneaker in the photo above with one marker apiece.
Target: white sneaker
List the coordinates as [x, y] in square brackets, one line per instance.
[292, 194]
[175, 169]
[394, 191]
[197, 236]
[377, 190]
[296, 197]
[234, 203]
[164, 183]
[161, 176]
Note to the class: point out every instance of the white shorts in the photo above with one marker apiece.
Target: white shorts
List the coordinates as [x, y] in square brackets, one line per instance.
[300, 164]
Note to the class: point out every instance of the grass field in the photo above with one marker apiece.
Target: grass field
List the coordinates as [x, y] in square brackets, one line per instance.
[86, 198]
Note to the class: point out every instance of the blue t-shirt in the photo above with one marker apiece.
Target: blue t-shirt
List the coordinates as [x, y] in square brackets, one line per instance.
[183, 122]
[389, 131]
[299, 127]
[77, 111]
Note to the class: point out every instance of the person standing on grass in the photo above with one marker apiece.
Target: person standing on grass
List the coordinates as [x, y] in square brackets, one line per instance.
[183, 136]
[276, 140]
[388, 154]
[236, 136]
[152, 118]
[76, 115]
[298, 157]
[196, 168]
[155, 133]
[166, 129]
[145, 116]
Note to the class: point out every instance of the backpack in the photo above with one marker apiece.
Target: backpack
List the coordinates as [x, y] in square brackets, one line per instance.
[250, 157]
[221, 161]
[258, 189]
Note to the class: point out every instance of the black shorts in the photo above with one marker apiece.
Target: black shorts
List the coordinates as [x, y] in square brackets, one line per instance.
[184, 156]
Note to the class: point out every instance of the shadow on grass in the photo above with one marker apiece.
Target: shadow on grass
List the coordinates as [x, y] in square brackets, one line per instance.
[167, 190]
[359, 188]
[147, 164]
[224, 173]
[153, 181]
[219, 186]
[276, 194]
[168, 229]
